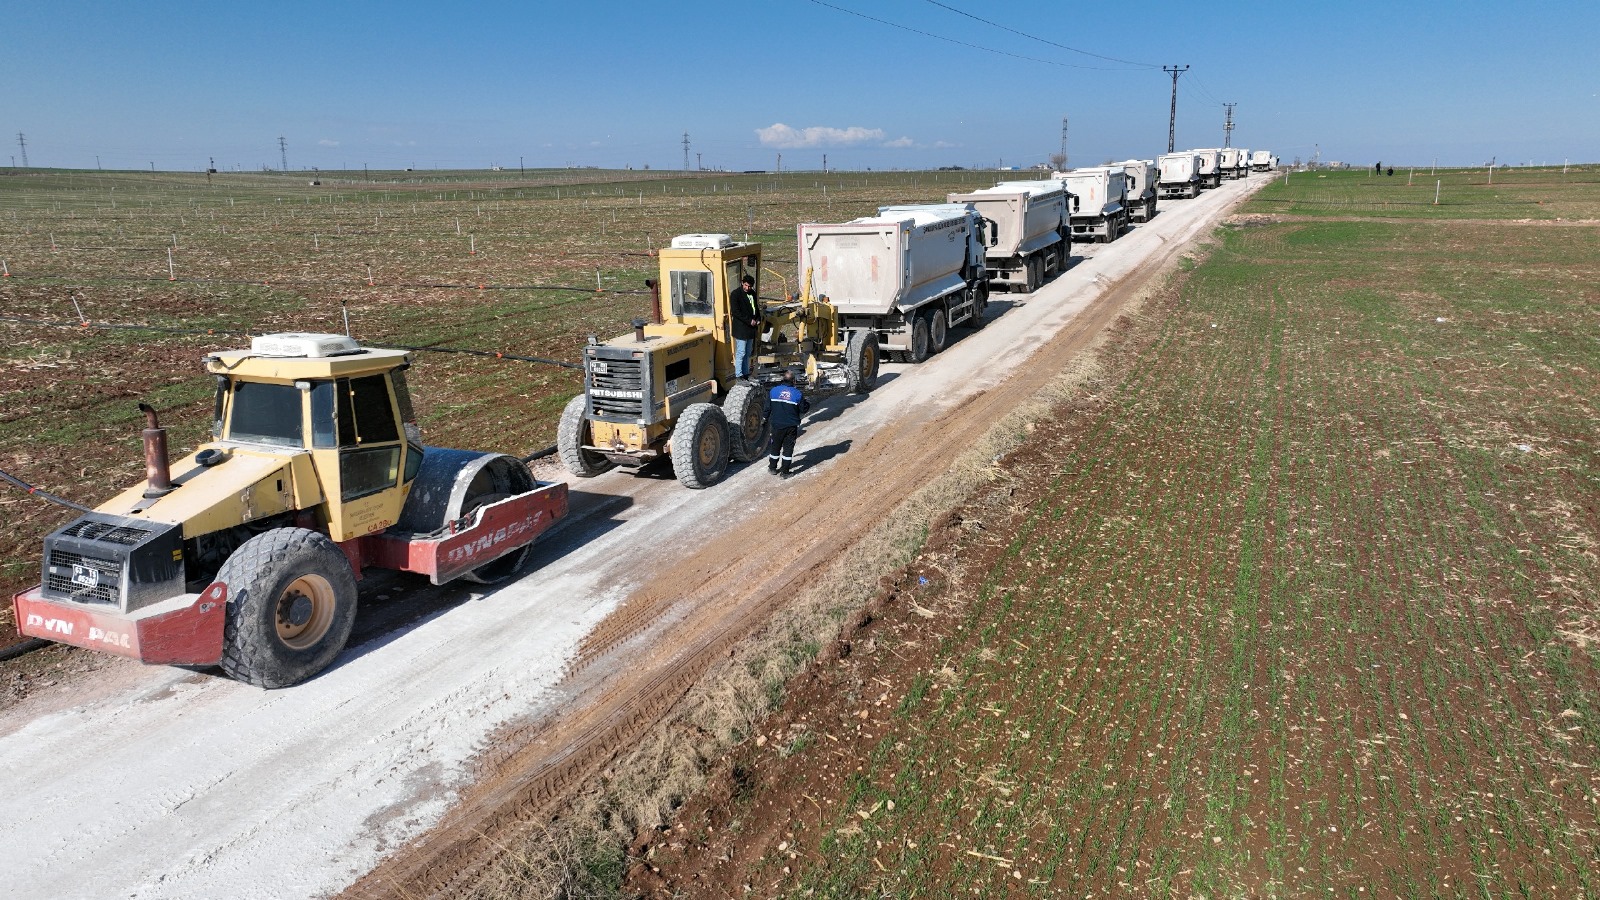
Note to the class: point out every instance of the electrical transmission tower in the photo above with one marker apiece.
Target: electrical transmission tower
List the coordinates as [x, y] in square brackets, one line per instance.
[1227, 126]
[283, 152]
[686, 151]
[1172, 117]
[1063, 143]
[22, 144]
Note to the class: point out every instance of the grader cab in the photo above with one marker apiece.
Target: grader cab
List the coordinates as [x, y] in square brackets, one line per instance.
[246, 553]
[668, 389]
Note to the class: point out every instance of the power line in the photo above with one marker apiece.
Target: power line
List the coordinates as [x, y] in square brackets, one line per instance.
[939, 37]
[1172, 117]
[1036, 37]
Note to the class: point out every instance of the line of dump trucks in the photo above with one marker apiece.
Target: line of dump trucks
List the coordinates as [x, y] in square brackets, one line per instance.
[246, 553]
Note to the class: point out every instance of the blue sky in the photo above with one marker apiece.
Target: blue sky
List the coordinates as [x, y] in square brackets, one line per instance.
[438, 85]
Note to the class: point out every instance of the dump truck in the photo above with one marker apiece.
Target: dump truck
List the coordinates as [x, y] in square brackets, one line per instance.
[1230, 163]
[247, 552]
[1099, 194]
[1210, 167]
[1143, 177]
[1032, 231]
[906, 275]
[1243, 167]
[668, 389]
[1180, 175]
[1262, 161]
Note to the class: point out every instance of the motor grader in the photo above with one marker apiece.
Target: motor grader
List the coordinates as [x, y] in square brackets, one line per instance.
[246, 552]
[668, 389]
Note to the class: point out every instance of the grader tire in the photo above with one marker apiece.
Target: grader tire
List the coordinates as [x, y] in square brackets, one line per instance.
[291, 605]
[570, 435]
[700, 446]
[861, 358]
[746, 415]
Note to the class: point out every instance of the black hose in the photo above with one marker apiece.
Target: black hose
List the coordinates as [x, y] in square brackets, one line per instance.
[43, 495]
[28, 645]
[540, 454]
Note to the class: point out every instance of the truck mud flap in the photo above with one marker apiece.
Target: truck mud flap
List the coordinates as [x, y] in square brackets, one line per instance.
[185, 630]
[474, 541]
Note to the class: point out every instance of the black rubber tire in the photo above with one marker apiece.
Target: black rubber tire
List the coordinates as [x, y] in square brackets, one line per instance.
[861, 359]
[919, 350]
[570, 434]
[700, 446]
[938, 329]
[980, 305]
[260, 576]
[744, 409]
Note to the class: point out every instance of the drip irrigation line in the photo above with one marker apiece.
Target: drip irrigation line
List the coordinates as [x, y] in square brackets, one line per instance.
[28, 645]
[409, 285]
[213, 332]
[41, 494]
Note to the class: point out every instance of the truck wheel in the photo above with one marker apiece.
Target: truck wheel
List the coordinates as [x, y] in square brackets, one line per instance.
[861, 358]
[570, 435]
[919, 339]
[938, 330]
[700, 446]
[980, 305]
[744, 411]
[291, 605]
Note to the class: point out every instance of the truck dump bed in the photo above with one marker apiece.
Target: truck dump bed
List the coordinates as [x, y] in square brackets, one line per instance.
[898, 259]
[1028, 215]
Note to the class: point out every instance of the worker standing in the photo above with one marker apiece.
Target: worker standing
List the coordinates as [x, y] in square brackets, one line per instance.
[746, 327]
[785, 405]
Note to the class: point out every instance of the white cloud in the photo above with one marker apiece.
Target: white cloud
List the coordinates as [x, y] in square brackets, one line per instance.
[327, 143]
[784, 136]
[900, 142]
[944, 145]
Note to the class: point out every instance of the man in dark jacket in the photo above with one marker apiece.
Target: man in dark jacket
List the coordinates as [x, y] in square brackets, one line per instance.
[746, 327]
[786, 403]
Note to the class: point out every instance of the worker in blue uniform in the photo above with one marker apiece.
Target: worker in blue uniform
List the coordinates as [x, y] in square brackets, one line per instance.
[786, 403]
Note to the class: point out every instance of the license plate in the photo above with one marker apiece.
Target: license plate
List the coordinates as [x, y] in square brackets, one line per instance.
[85, 576]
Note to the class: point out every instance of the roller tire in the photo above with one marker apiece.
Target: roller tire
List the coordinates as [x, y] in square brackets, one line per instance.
[291, 605]
[496, 570]
[570, 433]
[744, 409]
[919, 350]
[938, 329]
[700, 446]
[861, 358]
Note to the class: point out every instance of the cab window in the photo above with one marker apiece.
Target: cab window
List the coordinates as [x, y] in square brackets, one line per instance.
[266, 414]
[691, 294]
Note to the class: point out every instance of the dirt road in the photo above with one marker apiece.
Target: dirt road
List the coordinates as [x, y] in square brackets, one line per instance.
[165, 783]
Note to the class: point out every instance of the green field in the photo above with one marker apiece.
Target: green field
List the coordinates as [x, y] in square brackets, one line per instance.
[1301, 602]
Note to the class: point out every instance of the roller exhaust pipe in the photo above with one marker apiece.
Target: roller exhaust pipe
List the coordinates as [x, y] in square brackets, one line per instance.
[157, 469]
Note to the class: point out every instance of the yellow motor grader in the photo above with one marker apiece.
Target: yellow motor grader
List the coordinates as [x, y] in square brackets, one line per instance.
[247, 552]
[668, 389]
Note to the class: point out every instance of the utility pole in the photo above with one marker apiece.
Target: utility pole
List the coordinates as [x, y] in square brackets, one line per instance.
[1063, 143]
[1172, 117]
[1227, 126]
[22, 143]
[211, 166]
[698, 165]
[97, 162]
[283, 152]
[521, 170]
[686, 151]
[780, 163]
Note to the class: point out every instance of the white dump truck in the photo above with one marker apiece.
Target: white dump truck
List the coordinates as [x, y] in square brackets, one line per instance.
[1262, 161]
[1210, 167]
[1180, 174]
[1031, 235]
[1244, 162]
[1143, 177]
[907, 274]
[1099, 195]
[1230, 163]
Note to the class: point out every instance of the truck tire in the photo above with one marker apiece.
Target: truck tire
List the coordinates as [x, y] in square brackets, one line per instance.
[570, 435]
[744, 409]
[980, 305]
[700, 446]
[938, 329]
[861, 358]
[919, 339]
[291, 605]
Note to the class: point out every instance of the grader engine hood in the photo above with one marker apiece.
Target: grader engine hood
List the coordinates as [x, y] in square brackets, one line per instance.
[241, 485]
